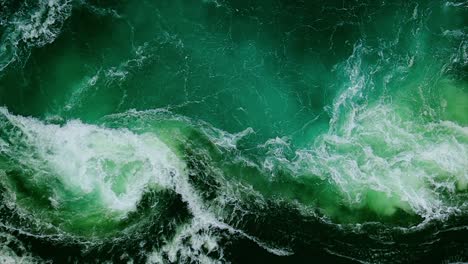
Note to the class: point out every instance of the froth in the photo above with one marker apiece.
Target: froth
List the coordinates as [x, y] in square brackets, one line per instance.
[32, 29]
[115, 165]
[391, 161]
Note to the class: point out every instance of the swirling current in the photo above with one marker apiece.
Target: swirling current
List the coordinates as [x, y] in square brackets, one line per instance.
[233, 131]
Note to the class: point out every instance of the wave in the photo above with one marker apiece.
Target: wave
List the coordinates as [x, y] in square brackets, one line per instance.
[251, 138]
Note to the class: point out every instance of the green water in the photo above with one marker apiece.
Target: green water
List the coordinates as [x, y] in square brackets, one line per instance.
[199, 131]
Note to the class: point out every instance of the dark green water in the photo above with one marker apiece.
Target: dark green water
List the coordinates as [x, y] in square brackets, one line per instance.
[214, 131]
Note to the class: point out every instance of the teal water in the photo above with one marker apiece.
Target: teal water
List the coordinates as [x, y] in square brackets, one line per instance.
[200, 131]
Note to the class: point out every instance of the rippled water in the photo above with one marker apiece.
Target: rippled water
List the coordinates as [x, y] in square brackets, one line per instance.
[198, 131]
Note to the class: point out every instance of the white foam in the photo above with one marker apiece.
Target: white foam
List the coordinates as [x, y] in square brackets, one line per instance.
[344, 102]
[110, 77]
[77, 155]
[409, 161]
[3, 145]
[33, 28]
[9, 256]
[463, 4]
[116, 164]
[227, 140]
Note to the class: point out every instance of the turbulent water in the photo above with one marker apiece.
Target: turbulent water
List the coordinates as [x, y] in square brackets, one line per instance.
[238, 131]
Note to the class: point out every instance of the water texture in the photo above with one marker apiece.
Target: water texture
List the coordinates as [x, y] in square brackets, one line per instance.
[219, 131]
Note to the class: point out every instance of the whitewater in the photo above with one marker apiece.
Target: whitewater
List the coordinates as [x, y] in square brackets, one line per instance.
[233, 132]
